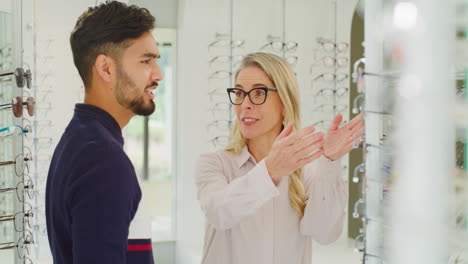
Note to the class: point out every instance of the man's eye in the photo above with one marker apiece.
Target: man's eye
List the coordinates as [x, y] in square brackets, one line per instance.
[146, 61]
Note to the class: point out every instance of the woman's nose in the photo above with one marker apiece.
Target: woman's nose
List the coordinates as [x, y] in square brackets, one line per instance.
[247, 103]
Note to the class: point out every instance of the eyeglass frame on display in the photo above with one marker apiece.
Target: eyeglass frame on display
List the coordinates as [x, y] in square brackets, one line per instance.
[278, 46]
[342, 108]
[217, 75]
[25, 159]
[17, 106]
[27, 240]
[20, 77]
[292, 60]
[6, 47]
[338, 77]
[216, 123]
[334, 62]
[227, 43]
[228, 58]
[218, 138]
[323, 123]
[216, 93]
[323, 41]
[25, 218]
[334, 91]
[217, 106]
[21, 195]
[24, 130]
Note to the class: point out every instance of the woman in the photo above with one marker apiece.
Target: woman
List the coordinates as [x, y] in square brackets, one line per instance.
[275, 187]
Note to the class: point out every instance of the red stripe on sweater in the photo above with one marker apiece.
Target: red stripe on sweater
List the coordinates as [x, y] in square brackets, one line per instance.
[146, 247]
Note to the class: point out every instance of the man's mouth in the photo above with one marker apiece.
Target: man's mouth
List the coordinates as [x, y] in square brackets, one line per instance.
[149, 90]
[149, 93]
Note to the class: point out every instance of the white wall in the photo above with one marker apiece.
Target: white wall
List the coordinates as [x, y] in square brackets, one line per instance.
[5, 6]
[253, 21]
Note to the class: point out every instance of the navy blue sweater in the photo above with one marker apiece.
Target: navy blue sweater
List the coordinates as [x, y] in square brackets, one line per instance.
[92, 192]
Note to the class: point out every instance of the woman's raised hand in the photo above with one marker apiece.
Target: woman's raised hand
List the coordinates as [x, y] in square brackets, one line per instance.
[339, 140]
[292, 150]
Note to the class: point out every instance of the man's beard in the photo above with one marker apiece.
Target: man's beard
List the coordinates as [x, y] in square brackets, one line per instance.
[126, 88]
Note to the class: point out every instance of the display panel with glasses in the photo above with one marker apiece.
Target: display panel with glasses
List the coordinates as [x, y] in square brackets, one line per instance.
[17, 109]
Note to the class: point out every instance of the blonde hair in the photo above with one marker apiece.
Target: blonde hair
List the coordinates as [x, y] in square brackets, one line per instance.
[283, 77]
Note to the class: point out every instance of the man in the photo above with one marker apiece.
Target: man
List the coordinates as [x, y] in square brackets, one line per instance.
[92, 191]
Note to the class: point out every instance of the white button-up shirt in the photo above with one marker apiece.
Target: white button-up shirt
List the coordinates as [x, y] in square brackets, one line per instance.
[249, 220]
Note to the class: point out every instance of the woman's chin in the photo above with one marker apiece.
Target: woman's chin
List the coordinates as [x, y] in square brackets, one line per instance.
[249, 134]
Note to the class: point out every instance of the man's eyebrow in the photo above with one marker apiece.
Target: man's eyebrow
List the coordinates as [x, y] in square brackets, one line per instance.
[151, 55]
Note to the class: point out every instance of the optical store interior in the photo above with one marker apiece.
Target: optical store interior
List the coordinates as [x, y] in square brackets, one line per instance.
[396, 194]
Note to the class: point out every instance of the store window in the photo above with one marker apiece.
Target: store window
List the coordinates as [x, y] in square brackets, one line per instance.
[149, 143]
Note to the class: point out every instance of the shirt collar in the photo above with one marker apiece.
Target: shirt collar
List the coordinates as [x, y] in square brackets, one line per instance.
[244, 156]
[91, 111]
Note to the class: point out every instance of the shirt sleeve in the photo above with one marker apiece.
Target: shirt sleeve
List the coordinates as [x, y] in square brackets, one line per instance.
[226, 203]
[327, 196]
[102, 206]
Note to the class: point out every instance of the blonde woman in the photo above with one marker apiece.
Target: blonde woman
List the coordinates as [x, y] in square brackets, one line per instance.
[275, 187]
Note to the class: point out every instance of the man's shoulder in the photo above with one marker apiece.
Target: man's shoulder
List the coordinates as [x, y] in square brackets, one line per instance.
[89, 136]
[86, 130]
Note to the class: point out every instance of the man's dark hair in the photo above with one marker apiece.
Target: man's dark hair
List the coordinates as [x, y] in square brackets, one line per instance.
[109, 29]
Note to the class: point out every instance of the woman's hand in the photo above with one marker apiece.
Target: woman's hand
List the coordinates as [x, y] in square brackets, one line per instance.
[292, 150]
[339, 140]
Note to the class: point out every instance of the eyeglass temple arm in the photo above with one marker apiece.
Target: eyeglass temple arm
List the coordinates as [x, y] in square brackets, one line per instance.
[7, 247]
[25, 130]
[6, 106]
[7, 189]
[3, 74]
[7, 218]
[3, 163]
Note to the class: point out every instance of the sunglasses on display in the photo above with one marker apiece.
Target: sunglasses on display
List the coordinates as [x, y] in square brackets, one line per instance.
[17, 106]
[22, 77]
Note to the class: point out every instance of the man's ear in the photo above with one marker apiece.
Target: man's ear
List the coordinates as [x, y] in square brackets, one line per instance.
[104, 68]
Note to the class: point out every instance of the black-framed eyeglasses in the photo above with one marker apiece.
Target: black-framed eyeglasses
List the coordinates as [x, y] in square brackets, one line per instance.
[257, 95]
